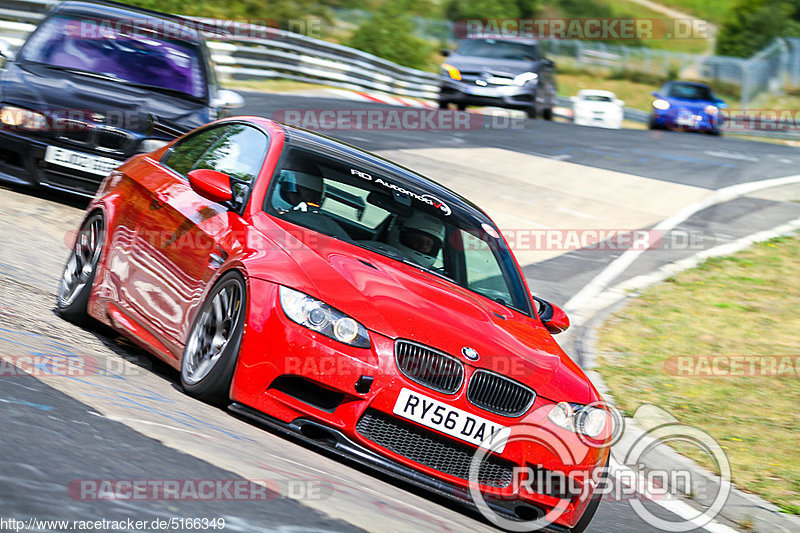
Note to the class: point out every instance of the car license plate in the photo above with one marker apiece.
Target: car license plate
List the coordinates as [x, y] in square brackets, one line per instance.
[450, 420]
[483, 91]
[80, 161]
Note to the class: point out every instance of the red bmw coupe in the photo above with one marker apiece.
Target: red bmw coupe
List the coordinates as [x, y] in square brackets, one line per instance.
[333, 295]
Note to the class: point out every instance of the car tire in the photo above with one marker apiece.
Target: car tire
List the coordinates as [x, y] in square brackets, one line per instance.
[594, 503]
[461, 107]
[444, 105]
[213, 344]
[75, 287]
[547, 114]
[653, 125]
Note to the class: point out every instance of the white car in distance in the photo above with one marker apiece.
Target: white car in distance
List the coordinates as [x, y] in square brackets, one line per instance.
[597, 108]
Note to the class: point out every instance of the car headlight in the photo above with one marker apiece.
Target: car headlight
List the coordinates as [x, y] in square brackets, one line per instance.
[661, 104]
[151, 145]
[451, 71]
[525, 77]
[322, 318]
[589, 421]
[712, 109]
[22, 118]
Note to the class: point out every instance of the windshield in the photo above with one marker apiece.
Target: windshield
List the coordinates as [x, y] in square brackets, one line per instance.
[596, 98]
[357, 206]
[495, 49]
[690, 92]
[105, 48]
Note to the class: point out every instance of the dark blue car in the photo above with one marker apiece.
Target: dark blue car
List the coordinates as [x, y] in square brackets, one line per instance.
[687, 105]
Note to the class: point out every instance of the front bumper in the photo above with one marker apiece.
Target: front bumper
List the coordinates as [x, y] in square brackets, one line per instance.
[22, 161]
[508, 96]
[324, 405]
[679, 118]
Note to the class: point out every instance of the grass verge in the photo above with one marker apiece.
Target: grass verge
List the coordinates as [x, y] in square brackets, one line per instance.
[743, 305]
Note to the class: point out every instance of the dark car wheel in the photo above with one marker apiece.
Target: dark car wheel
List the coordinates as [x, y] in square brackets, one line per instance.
[444, 105]
[214, 341]
[653, 125]
[547, 114]
[78, 277]
[461, 107]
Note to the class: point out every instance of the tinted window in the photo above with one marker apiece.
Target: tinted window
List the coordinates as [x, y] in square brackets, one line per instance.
[133, 53]
[495, 49]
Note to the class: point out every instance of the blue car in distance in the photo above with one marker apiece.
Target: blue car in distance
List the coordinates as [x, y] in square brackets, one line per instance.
[687, 106]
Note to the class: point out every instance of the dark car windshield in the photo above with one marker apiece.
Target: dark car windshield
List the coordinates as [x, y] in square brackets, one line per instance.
[105, 47]
[689, 92]
[374, 212]
[494, 49]
[596, 98]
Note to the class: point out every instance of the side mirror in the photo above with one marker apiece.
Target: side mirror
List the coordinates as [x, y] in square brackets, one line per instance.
[548, 62]
[211, 184]
[552, 316]
[445, 52]
[655, 93]
[720, 104]
[227, 99]
[574, 99]
[619, 102]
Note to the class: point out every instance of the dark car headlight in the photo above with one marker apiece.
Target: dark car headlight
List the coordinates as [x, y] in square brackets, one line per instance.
[20, 117]
[322, 318]
[585, 419]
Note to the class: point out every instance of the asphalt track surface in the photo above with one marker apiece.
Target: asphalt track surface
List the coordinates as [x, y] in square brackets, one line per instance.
[129, 419]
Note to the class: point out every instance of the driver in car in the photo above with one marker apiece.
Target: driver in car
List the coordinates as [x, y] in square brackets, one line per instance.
[419, 237]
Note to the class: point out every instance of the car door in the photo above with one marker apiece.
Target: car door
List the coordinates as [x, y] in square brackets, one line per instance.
[183, 239]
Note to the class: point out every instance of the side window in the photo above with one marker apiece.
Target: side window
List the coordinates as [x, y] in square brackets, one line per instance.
[185, 153]
[483, 271]
[238, 152]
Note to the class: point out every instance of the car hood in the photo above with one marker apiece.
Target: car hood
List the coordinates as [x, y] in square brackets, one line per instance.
[400, 301]
[125, 107]
[510, 67]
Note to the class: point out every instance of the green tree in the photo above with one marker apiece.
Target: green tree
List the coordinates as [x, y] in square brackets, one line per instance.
[491, 9]
[389, 33]
[753, 24]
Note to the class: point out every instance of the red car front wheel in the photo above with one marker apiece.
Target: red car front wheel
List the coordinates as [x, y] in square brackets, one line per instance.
[213, 344]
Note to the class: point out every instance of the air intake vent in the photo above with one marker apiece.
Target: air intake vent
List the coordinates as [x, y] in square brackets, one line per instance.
[498, 394]
[429, 367]
[431, 449]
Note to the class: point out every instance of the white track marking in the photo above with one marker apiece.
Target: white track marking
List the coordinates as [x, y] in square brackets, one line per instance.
[585, 301]
[672, 504]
